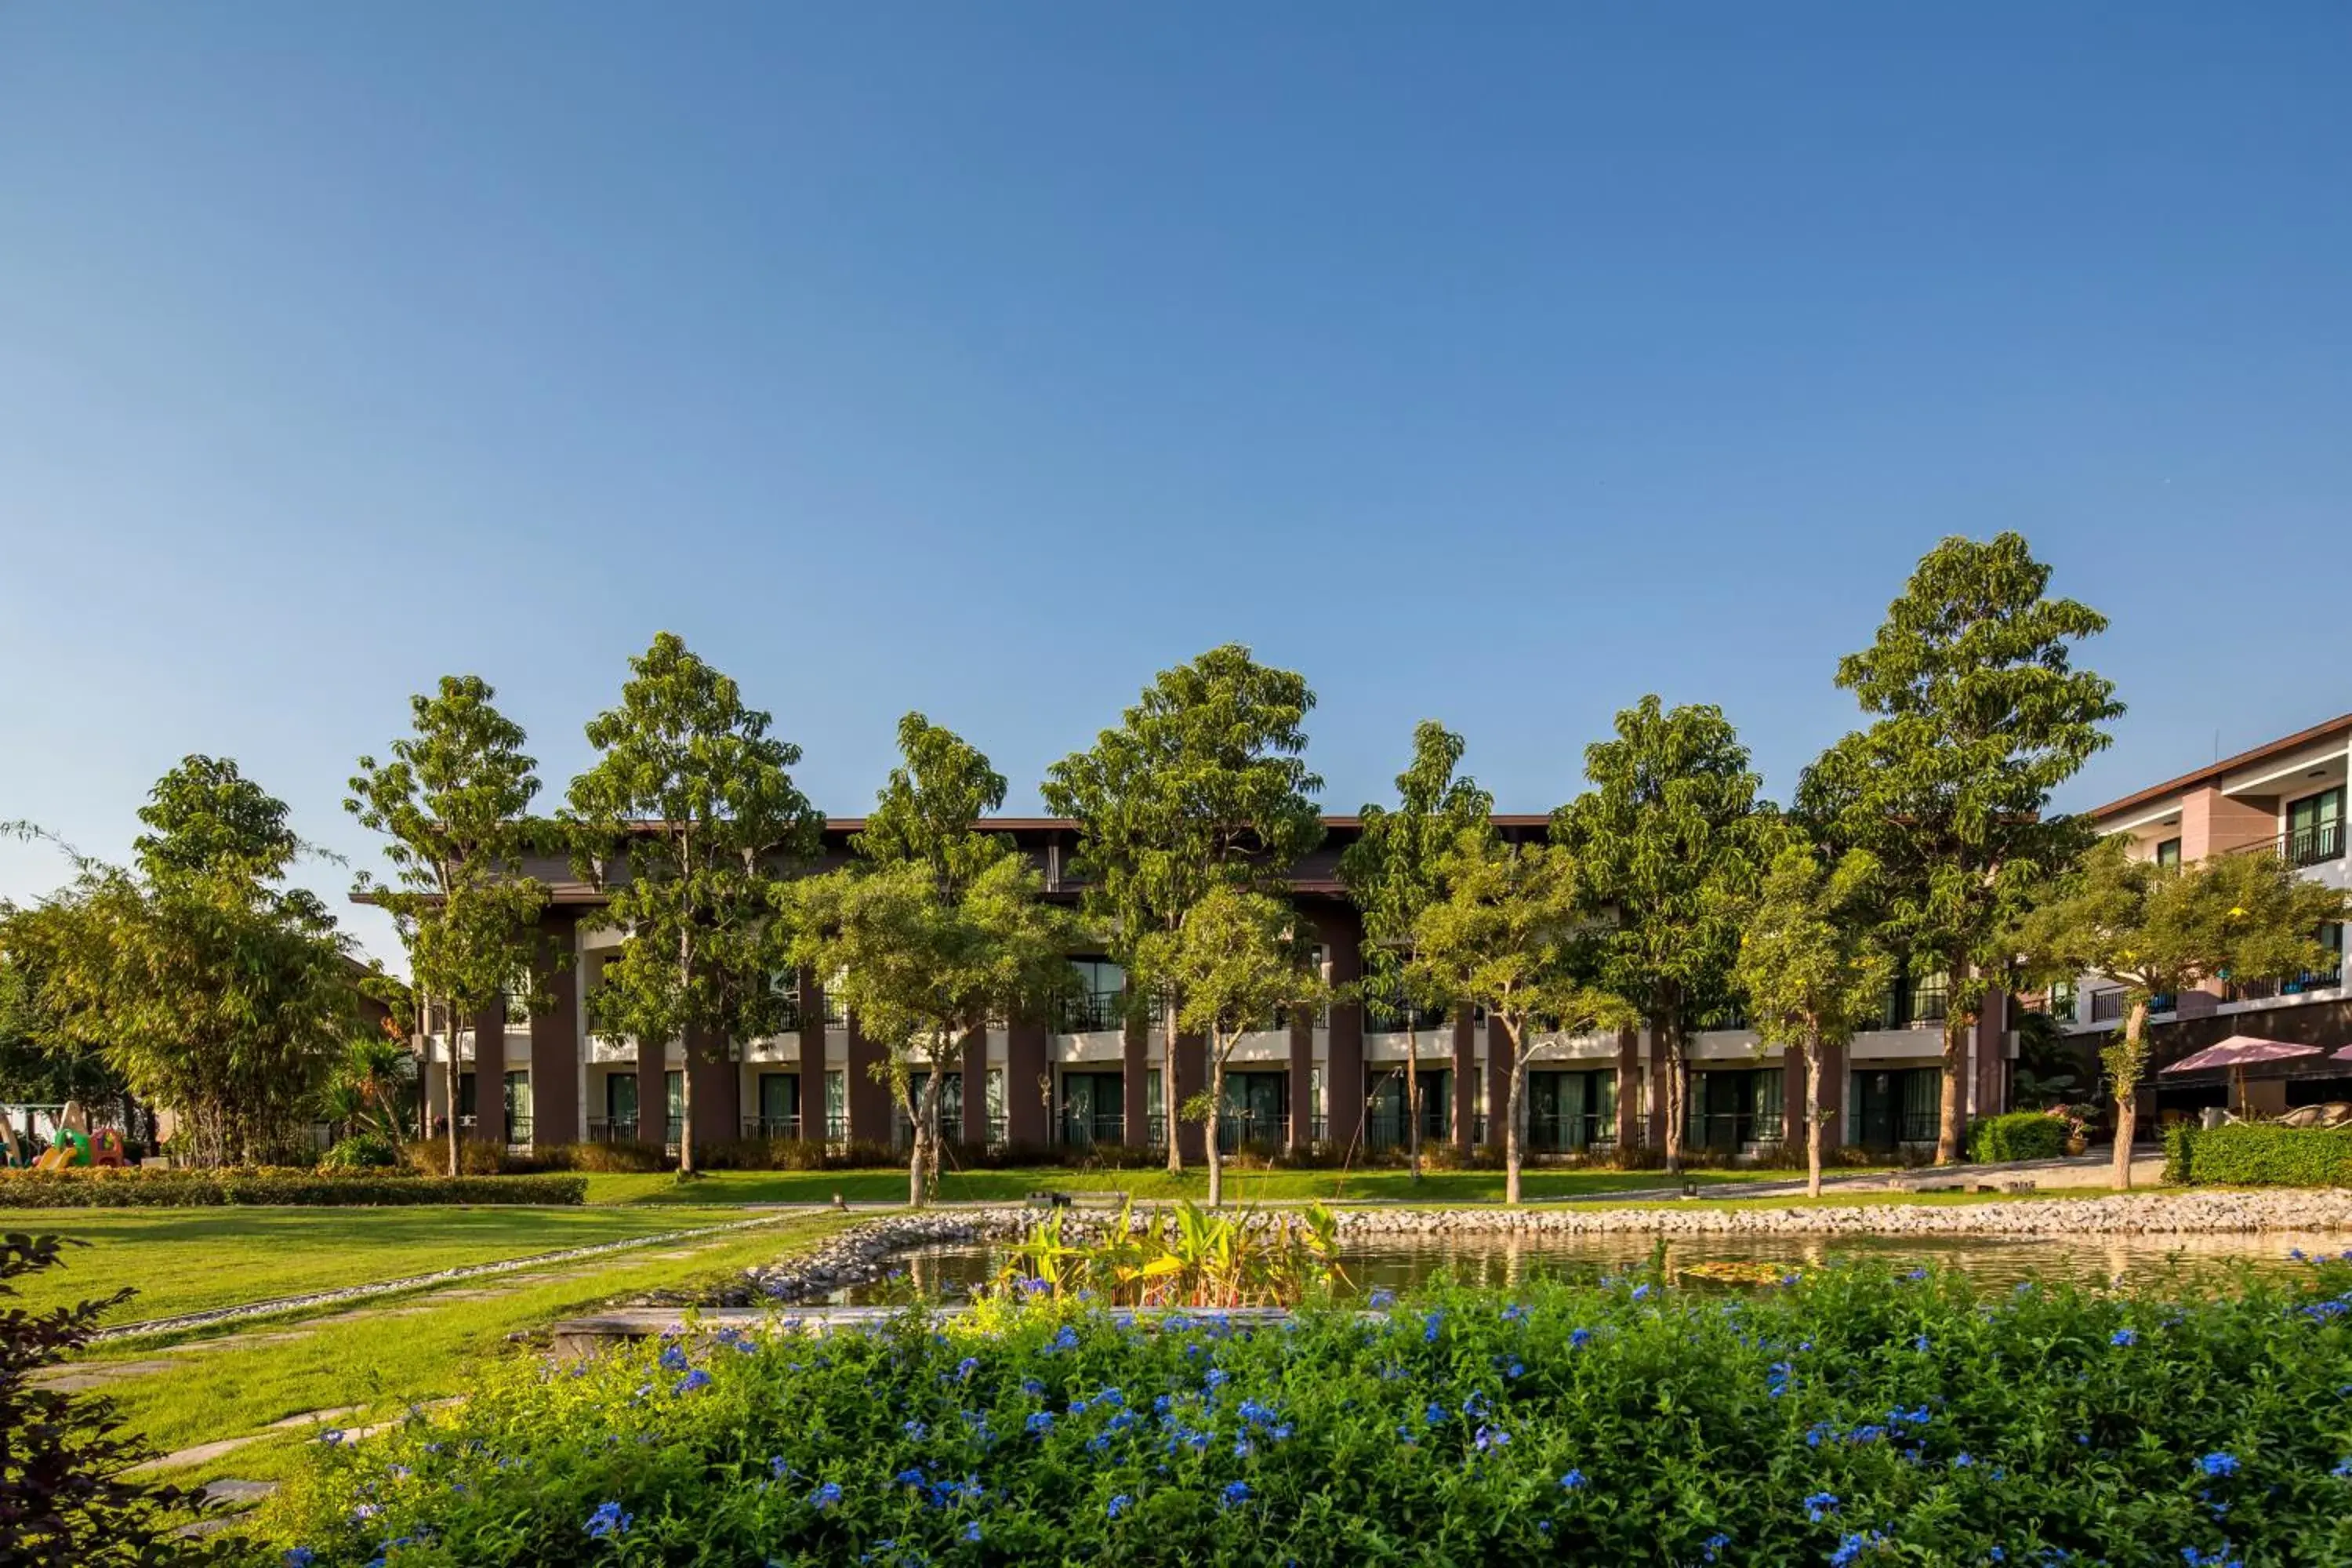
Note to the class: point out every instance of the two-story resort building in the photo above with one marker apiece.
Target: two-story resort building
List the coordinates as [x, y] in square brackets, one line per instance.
[2286, 799]
[1091, 1075]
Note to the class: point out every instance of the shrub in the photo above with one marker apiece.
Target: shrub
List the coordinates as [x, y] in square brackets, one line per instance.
[63, 1496]
[2249, 1154]
[366, 1152]
[2019, 1135]
[430, 1157]
[208, 1189]
[1858, 1416]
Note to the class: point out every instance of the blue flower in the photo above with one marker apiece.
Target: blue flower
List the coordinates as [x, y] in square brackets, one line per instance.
[2125, 1338]
[1572, 1481]
[1579, 1338]
[1382, 1301]
[1920, 1344]
[915, 1430]
[1236, 1492]
[971, 1531]
[2219, 1464]
[909, 1478]
[825, 1496]
[1429, 1328]
[673, 1359]
[1117, 1505]
[1068, 1339]
[777, 1467]
[2343, 1470]
[1853, 1546]
[1041, 1421]
[299, 1557]
[1514, 1313]
[692, 1380]
[1640, 1293]
[1820, 1505]
[966, 1367]
[607, 1521]
[1490, 1437]
[1434, 1415]
[1714, 1543]
[1032, 1388]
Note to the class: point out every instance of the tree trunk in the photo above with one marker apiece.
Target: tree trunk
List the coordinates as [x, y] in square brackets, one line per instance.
[1511, 1151]
[1412, 1095]
[1216, 1106]
[449, 1030]
[919, 1123]
[685, 1059]
[2127, 1090]
[1812, 1113]
[1668, 1027]
[1952, 1119]
[1170, 1105]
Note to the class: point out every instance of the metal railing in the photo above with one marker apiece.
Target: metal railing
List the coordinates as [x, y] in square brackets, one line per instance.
[1236, 1131]
[1731, 1129]
[606, 1129]
[2107, 1005]
[1919, 1126]
[1385, 1129]
[1087, 1131]
[1089, 1012]
[1557, 1135]
[1385, 1020]
[2309, 845]
[768, 1128]
[2265, 990]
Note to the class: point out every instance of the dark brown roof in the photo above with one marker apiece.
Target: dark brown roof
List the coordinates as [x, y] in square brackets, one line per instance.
[2262, 754]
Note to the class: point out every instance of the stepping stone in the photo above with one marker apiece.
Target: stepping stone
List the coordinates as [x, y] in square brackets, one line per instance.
[316, 1418]
[247, 1493]
[202, 1453]
[236, 1343]
[76, 1377]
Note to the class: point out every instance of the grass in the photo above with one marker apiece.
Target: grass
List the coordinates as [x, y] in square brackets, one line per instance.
[194, 1261]
[404, 1350]
[1437, 1187]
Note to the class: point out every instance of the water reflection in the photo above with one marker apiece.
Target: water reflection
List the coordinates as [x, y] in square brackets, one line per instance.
[948, 1272]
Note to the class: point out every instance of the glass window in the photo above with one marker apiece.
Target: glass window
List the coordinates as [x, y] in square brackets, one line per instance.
[2314, 827]
[621, 1097]
[2168, 852]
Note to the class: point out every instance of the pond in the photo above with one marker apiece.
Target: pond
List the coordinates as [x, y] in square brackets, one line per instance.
[948, 1272]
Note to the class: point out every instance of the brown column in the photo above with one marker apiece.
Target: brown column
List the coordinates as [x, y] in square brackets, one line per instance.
[1629, 1091]
[653, 1093]
[1135, 1082]
[557, 1044]
[1302, 1081]
[1343, 1072]
[1498, 1079]
[1792, 1096]
[1660, 1071]
[1192, 1078]
[1026, 1059]
[1465, 1080]
[718, 1088]
[811, 1057]
[869, 1097]
[490, 1074]
[975, 1089]
[1992, 1069]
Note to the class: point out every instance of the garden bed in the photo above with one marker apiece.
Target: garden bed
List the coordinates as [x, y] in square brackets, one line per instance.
[1854, 1416]
[209, 1189]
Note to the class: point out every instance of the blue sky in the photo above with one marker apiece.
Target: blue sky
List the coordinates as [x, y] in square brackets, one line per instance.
[1497, 365]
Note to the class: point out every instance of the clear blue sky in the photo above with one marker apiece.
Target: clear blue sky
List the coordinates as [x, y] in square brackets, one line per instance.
[1498, 364]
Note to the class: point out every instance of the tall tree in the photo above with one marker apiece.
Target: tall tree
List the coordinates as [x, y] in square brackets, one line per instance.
[216, 992]
[1239, 959]
[1391, 872]
[2162, 930]
[1505, 934]
[1669, 838]
[941, 927]
[694, 795]
[1981, 715]
[452, 802]
[1203, 784]
[1810, 968]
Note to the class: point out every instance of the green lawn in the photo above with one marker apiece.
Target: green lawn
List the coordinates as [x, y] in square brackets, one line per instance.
[870, 1186]
[193, 1261]
[407, 1349]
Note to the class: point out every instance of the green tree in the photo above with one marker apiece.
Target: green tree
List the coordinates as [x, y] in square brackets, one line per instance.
[1238, 962]
[452, 803]
[2163, 929]
[1203, 784]
[1810, 968]
[940, 928]
[217, 992]
[1669, 839]
[1505, 934]
[1981, 715]
[693, 796]
[1391, 872]
[41, 1062]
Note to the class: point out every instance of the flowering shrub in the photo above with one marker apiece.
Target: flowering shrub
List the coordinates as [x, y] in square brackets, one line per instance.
[1852, 1417]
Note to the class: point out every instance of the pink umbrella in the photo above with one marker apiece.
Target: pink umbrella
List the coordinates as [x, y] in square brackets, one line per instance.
[2237, 1053]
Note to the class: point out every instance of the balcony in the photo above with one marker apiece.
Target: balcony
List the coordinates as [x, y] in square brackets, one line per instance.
[1384, 1128]
[1385, 1020]
[772, 1129]
[2309, 980]
[1107, 1128]
[603, 1129]
[1238, 1131]
[1557, 1135]
[1092, 1012]
[2310, 845]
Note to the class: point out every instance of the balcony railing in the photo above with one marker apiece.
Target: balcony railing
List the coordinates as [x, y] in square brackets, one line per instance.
[1085, 1132]
[1557, 1135]
[2107, 1005]
[1382, 1020]
[1731, 1129]
[1090, 1012]
[605, 1129]
[770, 1129]
[2265, 990]
[1238, 1131]
[1385, 1129]
[2310, 845]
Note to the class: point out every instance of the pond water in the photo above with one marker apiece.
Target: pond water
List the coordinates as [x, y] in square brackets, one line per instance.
[948, 1272]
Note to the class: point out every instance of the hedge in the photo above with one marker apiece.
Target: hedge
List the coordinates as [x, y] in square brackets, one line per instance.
[2020, 1135]
[2249, 1154]
[210, 1189]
